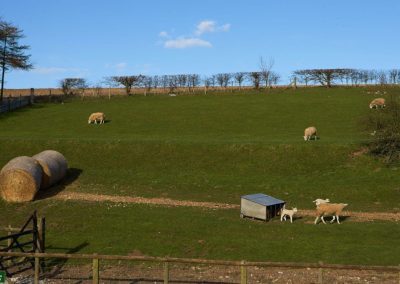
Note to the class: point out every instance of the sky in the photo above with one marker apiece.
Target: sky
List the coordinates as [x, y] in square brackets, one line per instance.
[93, 39]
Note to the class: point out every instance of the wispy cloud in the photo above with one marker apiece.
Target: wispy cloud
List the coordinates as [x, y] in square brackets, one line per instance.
[208, 26]
[186, 42]
[194, 40]
[163, 34]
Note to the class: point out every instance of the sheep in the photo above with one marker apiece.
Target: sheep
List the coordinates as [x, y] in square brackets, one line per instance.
[310, 132]
[378, 102]
[319, 201]
[96, 116]
[287, 212]
[333, 209]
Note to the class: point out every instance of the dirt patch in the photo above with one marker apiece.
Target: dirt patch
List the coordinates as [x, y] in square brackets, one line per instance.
[359, 152]
[78, 196]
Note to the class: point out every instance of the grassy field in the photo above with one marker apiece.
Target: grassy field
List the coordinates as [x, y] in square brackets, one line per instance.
[212, 148]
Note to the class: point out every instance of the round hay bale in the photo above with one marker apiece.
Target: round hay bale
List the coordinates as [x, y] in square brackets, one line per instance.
[20, 179]
[54, 166]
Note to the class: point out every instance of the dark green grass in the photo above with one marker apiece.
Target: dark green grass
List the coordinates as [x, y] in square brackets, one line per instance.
[196, 233]
[211, 148]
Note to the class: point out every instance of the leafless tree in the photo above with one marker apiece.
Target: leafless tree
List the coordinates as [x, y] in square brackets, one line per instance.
[381, 76]
[207, 81]
[325, 77]
[147, 82]
[173, 83]
[255, 78]
[394, 76]
[156, 81]
[239, 78]
[266, 69]
[193, 81]
[128, 82]
[73, 86]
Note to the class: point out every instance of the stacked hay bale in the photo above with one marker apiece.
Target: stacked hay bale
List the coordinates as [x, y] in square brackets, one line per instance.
[22, 177]
[54, 167]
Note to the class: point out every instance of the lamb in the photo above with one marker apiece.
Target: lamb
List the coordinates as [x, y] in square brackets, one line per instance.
[378, 102]
[319, 201]
[96, 116]
[288, 212]
[333, 209]
[310, 132]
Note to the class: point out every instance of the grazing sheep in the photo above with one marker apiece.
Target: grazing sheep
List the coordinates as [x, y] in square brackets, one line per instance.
[379, 102]
[332, 209]
[319, 201]
[96, 116]
[287, 212]
[310, 132]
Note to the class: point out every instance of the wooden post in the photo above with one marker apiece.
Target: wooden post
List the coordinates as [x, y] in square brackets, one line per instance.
[9, 242]
[95, 271]
[37, 270]
[320, 274]
[166, 272]
[41, 234]
[243, 273]
[9, 103]
[32, 96]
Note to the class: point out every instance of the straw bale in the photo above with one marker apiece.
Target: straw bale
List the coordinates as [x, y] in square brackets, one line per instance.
[54, 166]
[20, 179]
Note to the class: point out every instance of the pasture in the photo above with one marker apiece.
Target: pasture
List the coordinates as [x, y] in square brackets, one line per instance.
[211, 148]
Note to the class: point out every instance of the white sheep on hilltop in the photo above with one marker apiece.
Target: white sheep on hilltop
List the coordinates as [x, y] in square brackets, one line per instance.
[329, 209]
[97, 117]
[378, 102]
[310, 132]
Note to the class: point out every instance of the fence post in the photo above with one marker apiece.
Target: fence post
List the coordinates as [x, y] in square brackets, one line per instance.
[9, 103]
[243, 273]
[320, 273]
[95, 271]
[20, 100]
[37, 270]
[9, 242]
[32, 96]
[166, 272]
[41, 239]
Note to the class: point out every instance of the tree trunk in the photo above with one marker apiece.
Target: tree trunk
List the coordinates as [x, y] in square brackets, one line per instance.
[3, 68]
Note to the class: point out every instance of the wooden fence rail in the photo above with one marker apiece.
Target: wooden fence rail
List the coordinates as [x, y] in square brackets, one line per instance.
[166, 260]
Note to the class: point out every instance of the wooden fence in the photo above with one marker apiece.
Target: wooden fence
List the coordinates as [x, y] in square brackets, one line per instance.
[95, 258]
[30, 238]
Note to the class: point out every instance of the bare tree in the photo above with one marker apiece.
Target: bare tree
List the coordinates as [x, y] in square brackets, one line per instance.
[147, 82]
[325, 77]
[12, 54]
[239, 78]
[255, 78]
[128, 82]
[394, 75]
[207, 81]
[265, 70]
[73, 86]
[381, 77]
[173, 82]
[193, 81]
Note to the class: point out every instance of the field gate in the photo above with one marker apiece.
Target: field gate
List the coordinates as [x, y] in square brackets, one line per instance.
[30, 238]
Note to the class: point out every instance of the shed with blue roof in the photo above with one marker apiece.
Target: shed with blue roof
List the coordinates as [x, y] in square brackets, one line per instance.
[260, 206]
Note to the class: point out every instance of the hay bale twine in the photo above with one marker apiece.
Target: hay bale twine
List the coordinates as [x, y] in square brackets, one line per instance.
[54, 166]
[20, 179]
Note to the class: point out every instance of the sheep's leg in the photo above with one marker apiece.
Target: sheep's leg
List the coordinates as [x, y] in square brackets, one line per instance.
[337, 218]
[316, 220]
[281, 217]
[323, 221]
[333, 219]
[291, 219]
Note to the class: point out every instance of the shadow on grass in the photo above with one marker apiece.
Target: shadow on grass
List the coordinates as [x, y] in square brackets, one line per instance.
[54, 267]
[72, 175]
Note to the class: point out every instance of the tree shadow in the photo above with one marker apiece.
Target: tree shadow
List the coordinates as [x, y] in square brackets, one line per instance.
[72, 175]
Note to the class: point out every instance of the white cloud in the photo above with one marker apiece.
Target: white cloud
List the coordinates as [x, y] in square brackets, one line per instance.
[186, 42]
[224, 28]
[119, 66]
[208, 26]
[204, 27]
[163, 34]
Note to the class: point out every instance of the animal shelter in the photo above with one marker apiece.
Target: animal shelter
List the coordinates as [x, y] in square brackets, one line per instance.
[260, 206]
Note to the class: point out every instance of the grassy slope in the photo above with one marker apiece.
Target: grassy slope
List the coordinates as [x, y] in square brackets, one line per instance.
[213, 148]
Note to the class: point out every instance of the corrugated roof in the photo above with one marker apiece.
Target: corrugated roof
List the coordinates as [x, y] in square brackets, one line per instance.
[263, 199]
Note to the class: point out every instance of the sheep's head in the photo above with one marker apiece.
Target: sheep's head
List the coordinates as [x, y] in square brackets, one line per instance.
[294, 209]
[305, 138]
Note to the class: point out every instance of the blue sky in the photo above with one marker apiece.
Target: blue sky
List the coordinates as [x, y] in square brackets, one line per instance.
[97, 38]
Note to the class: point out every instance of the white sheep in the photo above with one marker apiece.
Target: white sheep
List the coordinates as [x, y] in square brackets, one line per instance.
[329, 209]
[310, 132]
[319, 201]
[378, 102]
[97, 116]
